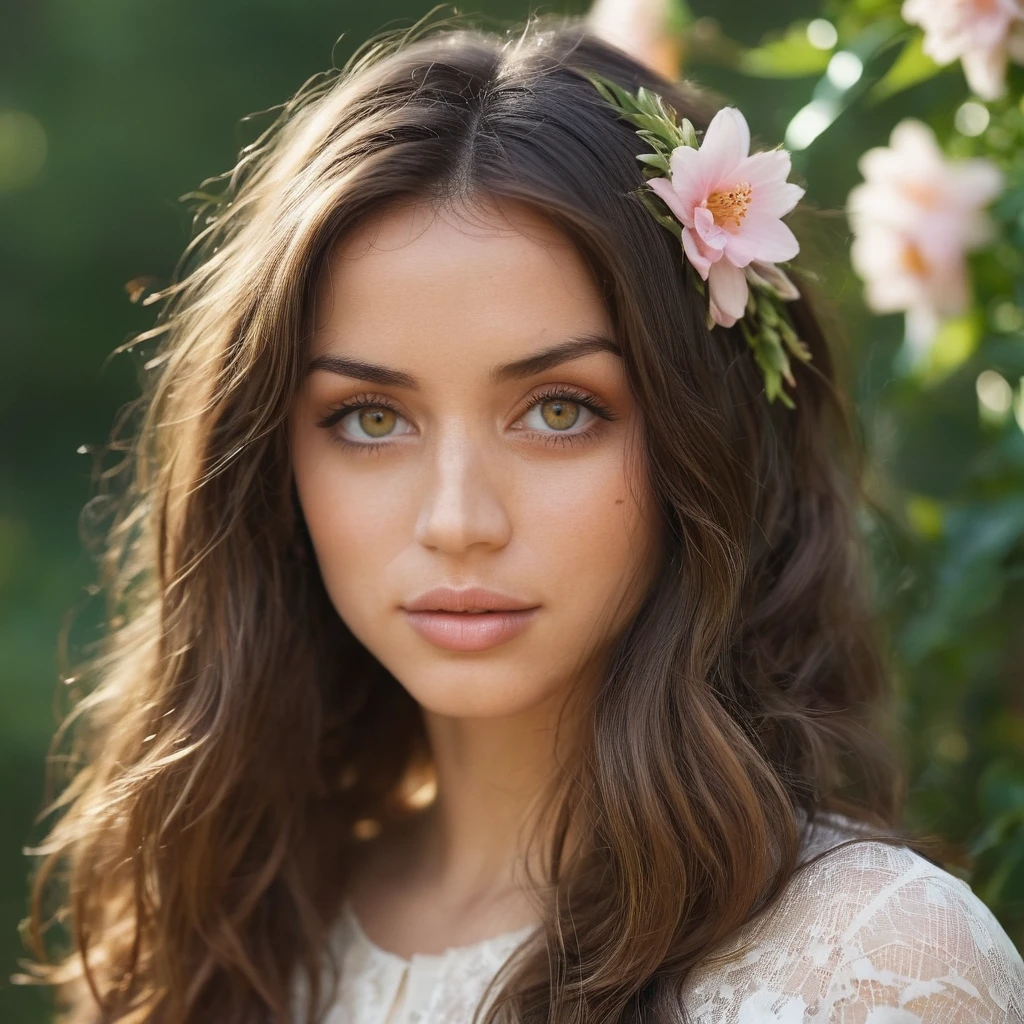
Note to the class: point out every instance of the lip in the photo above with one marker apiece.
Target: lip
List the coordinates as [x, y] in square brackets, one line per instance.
[451, 599]
[471, 619]
[468, 631]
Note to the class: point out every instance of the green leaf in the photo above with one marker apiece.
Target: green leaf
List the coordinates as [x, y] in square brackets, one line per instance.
[911, 67]
[773, 347]
[624, 99]
[648, 103]
[652, 124]
[790, 337]
[599, 84]
[788, 56]
[664, 139]
[614, 93]
[645, 110]
[650, 200]
[767, 310]
[655, 160]
[771, 357]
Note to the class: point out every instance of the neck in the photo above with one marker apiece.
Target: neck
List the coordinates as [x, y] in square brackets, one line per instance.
[491, 775]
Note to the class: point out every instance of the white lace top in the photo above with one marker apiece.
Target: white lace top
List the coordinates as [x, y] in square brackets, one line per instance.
[871, 934]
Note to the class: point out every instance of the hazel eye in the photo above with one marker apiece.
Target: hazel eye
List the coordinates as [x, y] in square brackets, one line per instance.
[558, 413]
[362, 423]
[377, 421]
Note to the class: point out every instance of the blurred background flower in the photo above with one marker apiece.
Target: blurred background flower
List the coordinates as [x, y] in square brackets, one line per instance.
[916, 216]
[650, 30]
[981, 34]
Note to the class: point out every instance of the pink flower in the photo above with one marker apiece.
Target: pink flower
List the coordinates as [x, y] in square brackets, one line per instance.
[982, 34]
[730, 204]
[914, 218]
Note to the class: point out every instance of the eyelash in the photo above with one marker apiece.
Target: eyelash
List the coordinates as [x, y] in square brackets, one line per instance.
[367, 401]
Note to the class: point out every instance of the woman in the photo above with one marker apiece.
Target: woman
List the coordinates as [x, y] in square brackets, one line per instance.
[483, 637]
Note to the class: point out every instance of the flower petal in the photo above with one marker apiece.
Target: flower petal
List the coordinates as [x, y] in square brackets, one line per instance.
[766, 175]
[776, 200]
[770, 276]
[875, 204]
[913, 10]
[875, 255]
[985, 71]
[686, 169]
[696, 253]
[761, 238]
[914, 139]
[729, 292]
[912, 151]
[726, 144]
[719, 317]
[663, 187]
[772, 165]
[710, 233]
[921, 326]
[978, 181]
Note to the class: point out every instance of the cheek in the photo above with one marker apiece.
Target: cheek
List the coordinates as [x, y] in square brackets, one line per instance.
[356, 525]
[591, 526]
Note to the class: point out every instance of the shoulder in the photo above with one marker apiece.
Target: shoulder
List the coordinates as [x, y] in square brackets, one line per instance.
[875, 933]
[913, 937]
[907, 940]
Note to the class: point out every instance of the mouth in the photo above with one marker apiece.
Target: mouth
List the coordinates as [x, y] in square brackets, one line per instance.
[475, 629]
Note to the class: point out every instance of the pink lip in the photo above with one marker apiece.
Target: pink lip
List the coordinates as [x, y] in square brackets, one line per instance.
[466, 631]
[465, 599]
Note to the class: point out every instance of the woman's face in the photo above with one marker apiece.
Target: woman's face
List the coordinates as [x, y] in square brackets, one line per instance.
[465, 423]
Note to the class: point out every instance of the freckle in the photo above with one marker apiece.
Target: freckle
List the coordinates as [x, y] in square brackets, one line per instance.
[619, 501]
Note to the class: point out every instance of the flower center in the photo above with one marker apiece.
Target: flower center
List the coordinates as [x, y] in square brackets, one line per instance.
[924, 194]
[730, 206]
[913, 259]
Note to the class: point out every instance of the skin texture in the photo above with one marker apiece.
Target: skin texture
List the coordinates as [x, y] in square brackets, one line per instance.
[464, 484]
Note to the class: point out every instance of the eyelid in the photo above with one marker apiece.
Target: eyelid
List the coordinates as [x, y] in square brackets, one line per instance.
[575, 394]
[549, 392]
[363, 400]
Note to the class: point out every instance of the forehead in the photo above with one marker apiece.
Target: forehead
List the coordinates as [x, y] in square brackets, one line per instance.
[421, 284]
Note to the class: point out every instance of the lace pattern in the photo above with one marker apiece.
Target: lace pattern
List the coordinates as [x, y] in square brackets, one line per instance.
[869, 934]
[380, 987]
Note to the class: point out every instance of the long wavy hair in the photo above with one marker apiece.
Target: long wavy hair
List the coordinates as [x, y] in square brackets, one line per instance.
[233, 739]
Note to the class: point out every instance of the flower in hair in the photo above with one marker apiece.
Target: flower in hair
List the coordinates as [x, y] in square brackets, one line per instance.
[726, 206]
[730, 205]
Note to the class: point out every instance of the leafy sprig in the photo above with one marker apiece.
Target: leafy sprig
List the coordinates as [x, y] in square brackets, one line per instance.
[767, 325]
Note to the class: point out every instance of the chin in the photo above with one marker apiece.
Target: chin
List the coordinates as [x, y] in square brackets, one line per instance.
[478, 690]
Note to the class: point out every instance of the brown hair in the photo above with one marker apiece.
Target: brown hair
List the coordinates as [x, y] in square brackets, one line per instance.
[195, 859]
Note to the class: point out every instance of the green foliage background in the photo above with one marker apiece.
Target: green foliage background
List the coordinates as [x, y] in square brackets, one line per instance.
[111, 109]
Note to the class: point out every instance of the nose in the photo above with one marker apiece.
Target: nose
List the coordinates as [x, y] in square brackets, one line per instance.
[461, 507]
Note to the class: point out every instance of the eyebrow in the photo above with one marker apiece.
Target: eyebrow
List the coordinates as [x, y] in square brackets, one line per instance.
[545, 359]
